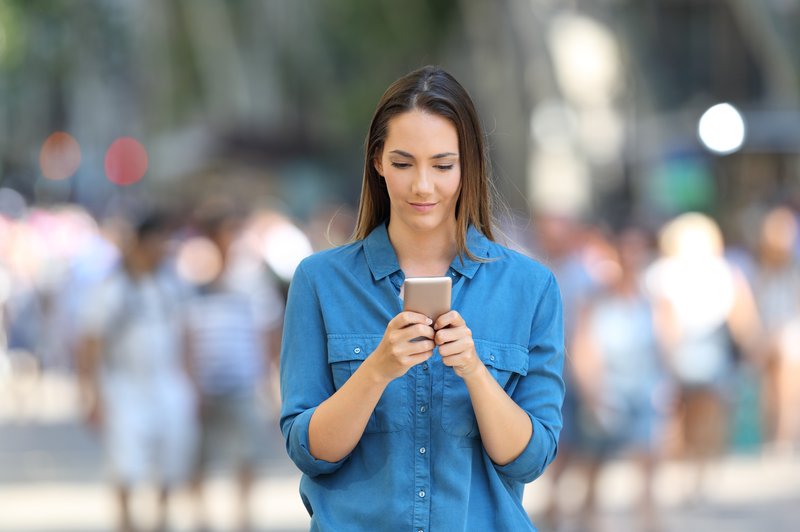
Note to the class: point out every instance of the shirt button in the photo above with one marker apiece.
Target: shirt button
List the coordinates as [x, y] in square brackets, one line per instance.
[421, 494]
[423, 409]
[357, 350]
[425, 366]
[422, 450]
[420, 530]
[491, 357]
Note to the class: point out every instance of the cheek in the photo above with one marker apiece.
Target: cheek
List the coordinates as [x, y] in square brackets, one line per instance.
[390, 180]
[392, 186]
[454, 185]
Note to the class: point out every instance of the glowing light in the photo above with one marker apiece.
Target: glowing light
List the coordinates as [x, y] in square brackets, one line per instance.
[199, 261]
[126, 161]
[284, 246]
[559, 182]
[721, 129]
[60, 156]
[586, 59]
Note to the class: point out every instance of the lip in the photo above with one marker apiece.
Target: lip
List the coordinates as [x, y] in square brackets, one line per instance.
[423, 207]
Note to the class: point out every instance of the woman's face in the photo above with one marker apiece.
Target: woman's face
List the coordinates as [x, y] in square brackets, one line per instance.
[422, 171]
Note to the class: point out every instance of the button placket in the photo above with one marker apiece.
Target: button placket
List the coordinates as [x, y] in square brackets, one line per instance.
[422, 434]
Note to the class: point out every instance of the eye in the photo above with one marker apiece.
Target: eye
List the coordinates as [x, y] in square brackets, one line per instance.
[443, 167]
[401, 165]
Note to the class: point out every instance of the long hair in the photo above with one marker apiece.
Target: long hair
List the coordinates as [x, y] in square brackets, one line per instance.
[432, 90]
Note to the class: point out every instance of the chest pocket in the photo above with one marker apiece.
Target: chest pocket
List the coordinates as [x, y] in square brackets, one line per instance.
[345, 355]
[506, 363]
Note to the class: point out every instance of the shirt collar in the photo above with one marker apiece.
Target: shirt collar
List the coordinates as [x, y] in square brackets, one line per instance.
[382, 259]
[478, 244]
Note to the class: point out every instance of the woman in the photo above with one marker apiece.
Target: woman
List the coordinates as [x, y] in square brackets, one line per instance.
[439, 433]
[776, 289]
[619, 373]
[133, 380]
[703, 308]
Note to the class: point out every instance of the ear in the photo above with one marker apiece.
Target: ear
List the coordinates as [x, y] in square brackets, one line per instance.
[376, 161]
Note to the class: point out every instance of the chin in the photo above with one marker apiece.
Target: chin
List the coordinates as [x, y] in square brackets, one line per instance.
[425, 224]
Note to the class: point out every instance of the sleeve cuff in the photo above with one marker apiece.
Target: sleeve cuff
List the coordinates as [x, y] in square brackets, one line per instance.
[298, 448]
[530, 464]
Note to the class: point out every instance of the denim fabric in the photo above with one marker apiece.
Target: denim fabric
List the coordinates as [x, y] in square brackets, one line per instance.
[420, 464]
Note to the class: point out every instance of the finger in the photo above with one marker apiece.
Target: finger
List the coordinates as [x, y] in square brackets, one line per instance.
[456, 361]
[450, 334]
[416, 348]
[419, 358]
[448, 319]
[406, 318]
[462, 345]
[417, 331]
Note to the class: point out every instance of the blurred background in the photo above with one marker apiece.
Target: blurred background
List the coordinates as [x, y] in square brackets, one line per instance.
[648, 151]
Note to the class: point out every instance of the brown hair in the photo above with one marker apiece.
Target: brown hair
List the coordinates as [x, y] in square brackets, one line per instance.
[432, 90]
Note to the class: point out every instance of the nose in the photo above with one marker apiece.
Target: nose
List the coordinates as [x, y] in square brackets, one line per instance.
[422, 184]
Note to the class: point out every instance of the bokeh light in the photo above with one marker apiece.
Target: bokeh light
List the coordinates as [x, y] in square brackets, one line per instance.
[284, 245]
[60, 156]
[722, 129]
[126, 161]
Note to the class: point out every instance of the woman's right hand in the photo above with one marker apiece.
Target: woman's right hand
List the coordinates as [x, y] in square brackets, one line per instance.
[397, 352]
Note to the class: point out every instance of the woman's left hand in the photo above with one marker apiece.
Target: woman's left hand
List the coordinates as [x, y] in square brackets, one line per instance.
[455, 343]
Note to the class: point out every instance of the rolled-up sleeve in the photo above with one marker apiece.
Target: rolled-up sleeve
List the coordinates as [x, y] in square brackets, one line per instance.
[305, 375]
[541, 392]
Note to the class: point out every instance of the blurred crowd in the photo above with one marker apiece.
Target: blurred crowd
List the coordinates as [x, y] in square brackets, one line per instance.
[678, 346]
[170, 326]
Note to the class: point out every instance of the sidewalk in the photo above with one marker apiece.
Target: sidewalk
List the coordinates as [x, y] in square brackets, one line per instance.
[51, 479]
[52, 475]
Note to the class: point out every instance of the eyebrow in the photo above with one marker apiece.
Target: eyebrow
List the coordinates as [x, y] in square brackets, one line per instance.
[437, 156]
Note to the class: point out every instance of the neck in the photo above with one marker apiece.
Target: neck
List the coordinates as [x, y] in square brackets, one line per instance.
[423, 254]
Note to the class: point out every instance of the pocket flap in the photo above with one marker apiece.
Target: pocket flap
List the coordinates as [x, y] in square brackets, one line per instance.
[506, 357]
[343, 347]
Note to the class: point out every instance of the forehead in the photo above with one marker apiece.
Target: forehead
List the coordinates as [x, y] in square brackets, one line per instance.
[421, 133]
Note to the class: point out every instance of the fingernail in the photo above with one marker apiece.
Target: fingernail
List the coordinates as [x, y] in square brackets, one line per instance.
[430, 321]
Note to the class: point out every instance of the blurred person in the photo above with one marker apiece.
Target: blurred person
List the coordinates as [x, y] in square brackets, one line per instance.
[559, 241]
[704, 310]
[232, 328]
[619, 374]
[399, 421]
[133, 381]
[87, 259]
[25, 256]
[776, 287]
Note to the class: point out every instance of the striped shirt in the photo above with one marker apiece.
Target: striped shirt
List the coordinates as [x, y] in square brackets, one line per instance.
[227, 324]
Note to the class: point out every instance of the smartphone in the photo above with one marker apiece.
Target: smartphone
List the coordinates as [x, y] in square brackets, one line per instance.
[427, 295]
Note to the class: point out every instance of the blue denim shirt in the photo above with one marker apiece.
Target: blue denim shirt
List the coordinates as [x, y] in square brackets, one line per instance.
[420, 465]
